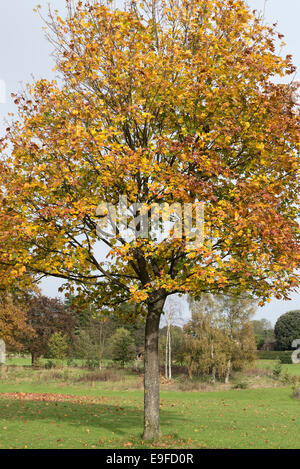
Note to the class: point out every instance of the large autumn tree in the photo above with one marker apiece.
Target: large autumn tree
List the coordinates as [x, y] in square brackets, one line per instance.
[162, 101]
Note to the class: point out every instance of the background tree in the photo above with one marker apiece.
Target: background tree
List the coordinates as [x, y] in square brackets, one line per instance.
[122, 347]
[47, 316]
[263, 331]
[243, 354]
[127, 316]
[176, 333]
[14, 329]
[234, 316]
[172, 313]
[92, 341]
[287, 329]
[58, 346]
[204, 326]
[83, 313]
[203, 346]
[224, 333]
[171, 102]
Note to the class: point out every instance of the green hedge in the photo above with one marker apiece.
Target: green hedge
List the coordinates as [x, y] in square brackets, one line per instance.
[283, 356]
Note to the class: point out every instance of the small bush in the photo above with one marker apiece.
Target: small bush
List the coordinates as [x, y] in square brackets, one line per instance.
[92, 364]
[57, 346]
[50, 364]
[37, 364]
[294, 381]
[295, 386]
[240, 385]
[290, 380]
[122, 347]
[72, 362]
[277, 370]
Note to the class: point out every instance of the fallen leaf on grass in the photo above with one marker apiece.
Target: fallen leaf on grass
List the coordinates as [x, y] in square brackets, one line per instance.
[51, 397]
[128, 443]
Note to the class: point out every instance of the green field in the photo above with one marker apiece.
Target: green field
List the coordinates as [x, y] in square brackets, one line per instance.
[101, 418]
[269, 364]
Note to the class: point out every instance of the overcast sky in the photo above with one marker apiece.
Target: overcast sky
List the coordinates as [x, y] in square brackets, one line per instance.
[26, 55]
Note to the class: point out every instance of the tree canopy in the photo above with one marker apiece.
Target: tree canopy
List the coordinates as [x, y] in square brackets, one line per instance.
[287, 329]
[47, 316]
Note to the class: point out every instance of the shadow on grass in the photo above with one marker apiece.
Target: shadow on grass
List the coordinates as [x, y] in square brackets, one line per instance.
[121, 420]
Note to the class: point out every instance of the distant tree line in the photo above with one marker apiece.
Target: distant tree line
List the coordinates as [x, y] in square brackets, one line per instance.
[220, 337]
[281, 336]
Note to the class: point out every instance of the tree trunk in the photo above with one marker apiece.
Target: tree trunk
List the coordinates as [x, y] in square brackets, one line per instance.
[151, 372]
[213, 371]
[166, 355]
[170, 354]
[34, 358]
[228, 372]
[190, 372]
[168, 371]
[213, 375]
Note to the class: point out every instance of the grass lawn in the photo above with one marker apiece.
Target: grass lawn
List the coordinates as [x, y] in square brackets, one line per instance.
[253, 418]
[76, 408]
[293, 369]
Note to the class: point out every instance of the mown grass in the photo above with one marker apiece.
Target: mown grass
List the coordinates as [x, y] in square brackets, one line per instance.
[227, 418]
[293, 369]
[267, 418]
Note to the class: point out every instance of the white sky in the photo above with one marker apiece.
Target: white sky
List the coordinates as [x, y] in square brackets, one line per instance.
[25, 55]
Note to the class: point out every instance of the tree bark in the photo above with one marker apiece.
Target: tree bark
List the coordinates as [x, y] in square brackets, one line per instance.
[151, 372]
[168, 371]
[170, 354]
[166, 355]
[34, 358]
[213, 376]
[213, 371]
[228, 372]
